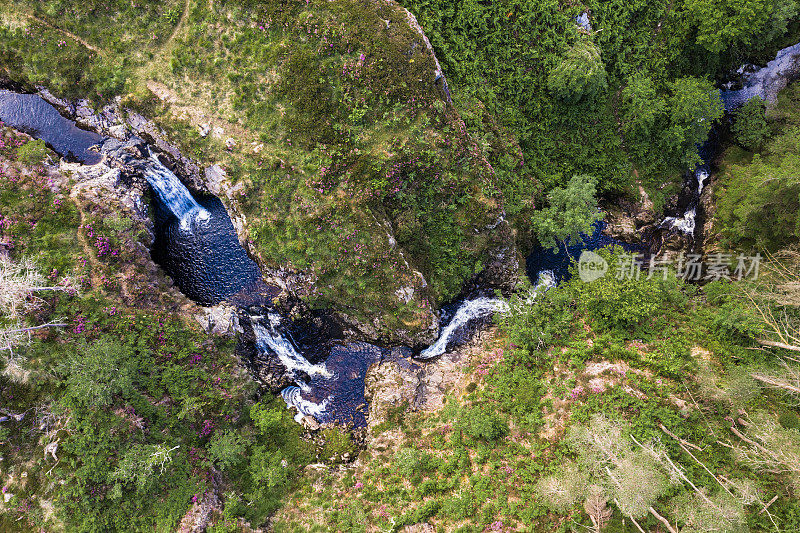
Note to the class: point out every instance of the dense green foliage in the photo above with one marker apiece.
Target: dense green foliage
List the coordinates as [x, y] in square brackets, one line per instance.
[722, 25]
[750, 128]
[581, 75]
[511, 54]
[572, 211]
[759, 194]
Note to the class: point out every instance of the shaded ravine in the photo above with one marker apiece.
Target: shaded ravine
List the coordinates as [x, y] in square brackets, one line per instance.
[751, 82]
[197, 245]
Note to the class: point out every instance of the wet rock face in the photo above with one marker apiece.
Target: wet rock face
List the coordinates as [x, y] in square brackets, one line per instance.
[622, 225]
[502, 271]
[419, 385]
[631, 221]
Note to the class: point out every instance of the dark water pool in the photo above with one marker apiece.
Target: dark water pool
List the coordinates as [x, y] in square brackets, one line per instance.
[558, 262]
[31, 114]
[203, 255]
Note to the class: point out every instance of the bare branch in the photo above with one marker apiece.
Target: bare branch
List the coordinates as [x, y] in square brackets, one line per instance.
[662, 520]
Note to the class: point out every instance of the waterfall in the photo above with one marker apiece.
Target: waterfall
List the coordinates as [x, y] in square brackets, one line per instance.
[765, 82]
[480, 308]
[469, 310]
[270, 338]
[173, 193]
[544, 281]
[702, 176]
[686, 223]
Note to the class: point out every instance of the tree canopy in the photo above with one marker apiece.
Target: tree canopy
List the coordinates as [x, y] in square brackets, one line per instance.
[572, 211]
[581, 74]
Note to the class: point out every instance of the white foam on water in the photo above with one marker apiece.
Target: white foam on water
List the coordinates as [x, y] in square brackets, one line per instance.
[174, 194]
[687, 222]
[469, 310]
[757, 82]
[702, 176]
[268, 336]
[294, 398]
[684, 224]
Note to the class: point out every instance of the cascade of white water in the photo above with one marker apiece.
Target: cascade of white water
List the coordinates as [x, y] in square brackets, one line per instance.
[469, 310]
[766, 81]
[686, 223]
[702, 176]
[268, 336]
[544, 281]
[174, 194]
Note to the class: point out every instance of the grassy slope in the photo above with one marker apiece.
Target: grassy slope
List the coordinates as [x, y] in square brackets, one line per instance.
[343, 143]
[684, 363]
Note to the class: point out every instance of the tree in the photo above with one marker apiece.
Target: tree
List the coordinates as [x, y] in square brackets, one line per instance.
[227, 449]
[268, 468]
[581, 74]
[642, 107]
[644, 119]
[750, 128]
[138, 467]
[20, 282]
[481, 423]
[572, 211]
[95, 373]
[783, 12]
[694, 105]
[722, 24]
[760, 204]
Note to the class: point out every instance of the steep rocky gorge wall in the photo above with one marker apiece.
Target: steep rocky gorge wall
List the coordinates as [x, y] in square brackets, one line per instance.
[501, 257]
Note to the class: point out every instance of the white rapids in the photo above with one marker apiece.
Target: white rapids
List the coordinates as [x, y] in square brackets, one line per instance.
[479, 308]
[174, 194]
[269, 338]
[686, 223]
[294, 398]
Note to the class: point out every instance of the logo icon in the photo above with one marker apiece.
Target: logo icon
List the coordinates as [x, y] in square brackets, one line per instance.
[591, 266]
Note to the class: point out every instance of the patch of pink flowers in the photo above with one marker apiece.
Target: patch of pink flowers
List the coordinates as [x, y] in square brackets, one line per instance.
[577, 392]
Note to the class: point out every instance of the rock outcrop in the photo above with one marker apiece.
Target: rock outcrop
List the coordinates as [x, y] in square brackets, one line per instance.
[418, 385]
[628, 221]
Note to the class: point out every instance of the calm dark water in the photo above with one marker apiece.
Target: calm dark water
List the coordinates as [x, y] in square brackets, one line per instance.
[558, 262]
[203, 256]
[31, 114]
[343, 394]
